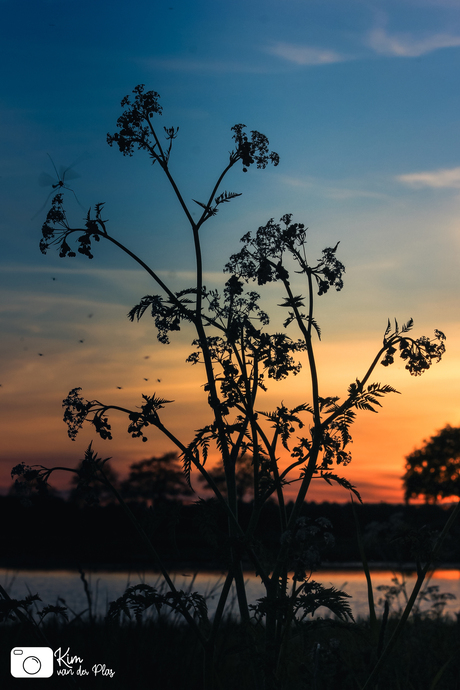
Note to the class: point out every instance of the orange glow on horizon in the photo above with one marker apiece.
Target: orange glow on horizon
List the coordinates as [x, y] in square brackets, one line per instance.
[33, 391]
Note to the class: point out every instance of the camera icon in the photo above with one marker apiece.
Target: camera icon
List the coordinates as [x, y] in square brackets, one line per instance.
[31, 662]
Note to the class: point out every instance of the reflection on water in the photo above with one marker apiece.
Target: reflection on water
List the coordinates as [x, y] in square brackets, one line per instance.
[108, 586]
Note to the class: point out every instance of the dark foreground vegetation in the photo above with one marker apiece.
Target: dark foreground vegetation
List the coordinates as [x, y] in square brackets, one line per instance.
[50, 532]
[321, 655]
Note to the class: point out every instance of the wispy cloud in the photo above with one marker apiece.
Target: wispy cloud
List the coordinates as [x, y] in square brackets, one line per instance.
[181, 64]
[331, 192]
[406, 45]
[305, 55]
[446, 178]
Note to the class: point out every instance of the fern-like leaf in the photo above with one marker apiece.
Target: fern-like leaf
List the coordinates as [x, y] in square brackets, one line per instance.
[226, 196]
[200, 204]
[387, 331]
[295, 301]
[407, 326]
[187, 466]
[138, 311]
[315, 595]
[139, 598]
[328, 476]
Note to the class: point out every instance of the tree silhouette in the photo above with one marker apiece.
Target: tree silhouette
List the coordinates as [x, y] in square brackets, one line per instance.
[156, 480]
[244, 476]
[434, 470]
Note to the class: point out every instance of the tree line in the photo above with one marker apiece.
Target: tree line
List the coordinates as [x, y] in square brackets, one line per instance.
[193, 535]
[152, 481]
[432, 472]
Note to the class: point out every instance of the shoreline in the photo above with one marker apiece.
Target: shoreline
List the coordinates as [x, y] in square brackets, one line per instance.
[194, 567]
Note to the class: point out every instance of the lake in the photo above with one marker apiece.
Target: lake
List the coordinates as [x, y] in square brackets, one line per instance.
[108, 586]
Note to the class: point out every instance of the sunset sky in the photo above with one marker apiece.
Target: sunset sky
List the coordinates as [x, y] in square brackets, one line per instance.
[360, 99]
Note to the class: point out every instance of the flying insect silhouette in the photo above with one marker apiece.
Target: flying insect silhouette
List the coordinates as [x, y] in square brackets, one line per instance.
[59, 182]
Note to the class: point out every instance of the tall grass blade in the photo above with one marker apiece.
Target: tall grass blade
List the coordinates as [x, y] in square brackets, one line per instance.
[370, 592]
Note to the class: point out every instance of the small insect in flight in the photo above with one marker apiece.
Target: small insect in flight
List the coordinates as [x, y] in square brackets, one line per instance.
[59, 182]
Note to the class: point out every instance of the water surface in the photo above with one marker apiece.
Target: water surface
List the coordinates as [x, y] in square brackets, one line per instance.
[108, 586]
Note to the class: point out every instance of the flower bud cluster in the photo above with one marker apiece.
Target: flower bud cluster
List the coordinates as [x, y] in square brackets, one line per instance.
[306, 542]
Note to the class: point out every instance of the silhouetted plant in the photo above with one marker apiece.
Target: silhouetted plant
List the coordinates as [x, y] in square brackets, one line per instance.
[433, 471]
[30, 481]
[88, 489]
[397, 596]
[244, 477]
[239, 355]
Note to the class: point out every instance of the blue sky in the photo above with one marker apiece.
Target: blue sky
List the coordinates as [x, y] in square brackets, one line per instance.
[361, 101]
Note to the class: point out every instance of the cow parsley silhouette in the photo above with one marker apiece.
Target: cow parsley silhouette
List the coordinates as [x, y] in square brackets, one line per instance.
[240, 355]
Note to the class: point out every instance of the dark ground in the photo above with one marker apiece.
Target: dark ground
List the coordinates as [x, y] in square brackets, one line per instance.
[166, 655]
